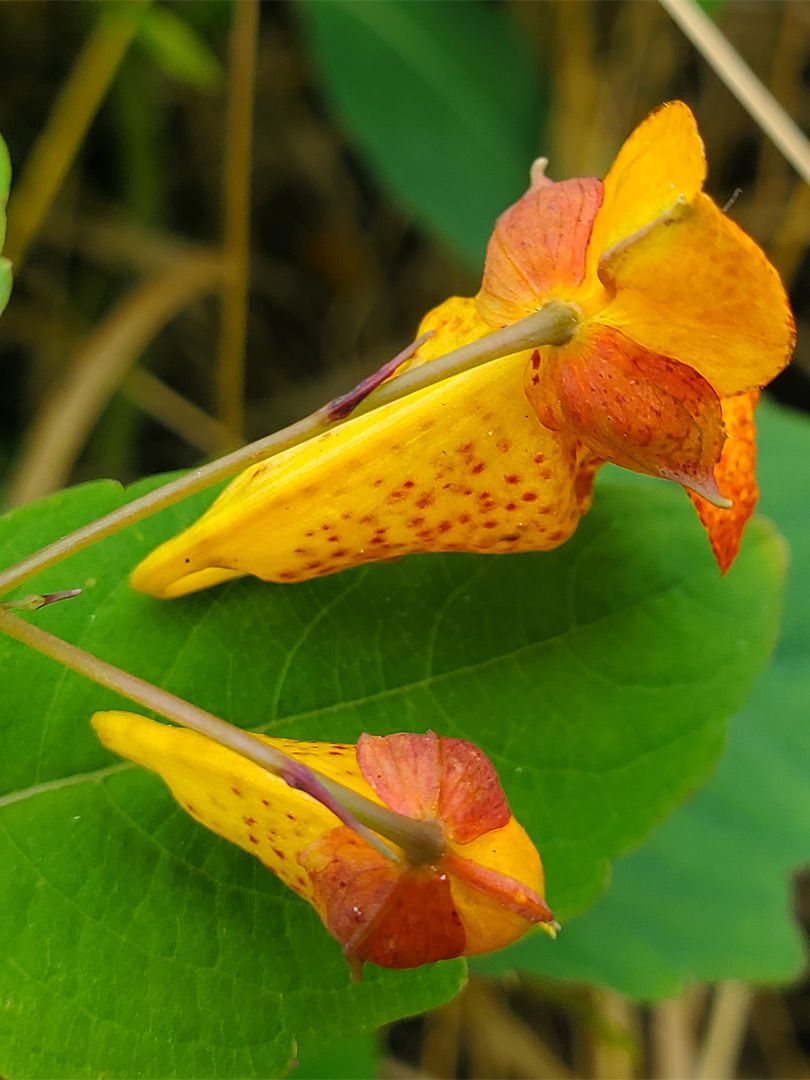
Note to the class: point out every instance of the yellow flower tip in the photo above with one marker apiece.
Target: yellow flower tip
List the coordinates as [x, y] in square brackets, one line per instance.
[485, 893]
[677, 311]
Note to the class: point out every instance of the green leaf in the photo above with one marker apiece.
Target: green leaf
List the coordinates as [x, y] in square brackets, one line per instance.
[132, 942]
[444, 100]
[346, 1059]
[708, 896]
[5, 184]
[178, 50]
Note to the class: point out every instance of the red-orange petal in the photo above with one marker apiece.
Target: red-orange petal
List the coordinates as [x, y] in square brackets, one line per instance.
[511, 894]
[736, 480]
[634, 407]
[424, 776]
[538, 249]
[383, 912]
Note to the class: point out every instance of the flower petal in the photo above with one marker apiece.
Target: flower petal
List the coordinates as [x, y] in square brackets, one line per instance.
[427, 777]
[233, 796]
[736, 480]
[636, 408]
[489, 917]
[538, 248]
[698, 289]
[660, 165]
[382, 912]
[460, 466]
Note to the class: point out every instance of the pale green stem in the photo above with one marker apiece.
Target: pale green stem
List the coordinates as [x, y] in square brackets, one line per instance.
[554, 324]
[422, 841]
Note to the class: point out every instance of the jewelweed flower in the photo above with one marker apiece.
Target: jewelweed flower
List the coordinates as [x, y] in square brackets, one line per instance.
[483, 891]
[680, 320]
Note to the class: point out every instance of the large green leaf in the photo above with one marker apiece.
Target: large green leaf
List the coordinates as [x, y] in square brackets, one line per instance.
[443, 99]
[708, 896]
[132, 942]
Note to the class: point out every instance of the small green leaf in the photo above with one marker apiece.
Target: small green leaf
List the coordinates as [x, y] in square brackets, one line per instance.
[708, 896]
[132, 942]
[443, 99]
[179, 51]
[5, 185]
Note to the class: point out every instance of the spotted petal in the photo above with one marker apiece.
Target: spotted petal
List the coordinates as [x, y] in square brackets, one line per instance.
[636, 408]
[698, 289]
[461, 466]
[736, 480]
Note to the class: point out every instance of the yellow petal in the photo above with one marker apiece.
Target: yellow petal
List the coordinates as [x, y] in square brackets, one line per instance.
[509, 851]
[235, 798]
[461, 466]
[661, 164]
[701, 291]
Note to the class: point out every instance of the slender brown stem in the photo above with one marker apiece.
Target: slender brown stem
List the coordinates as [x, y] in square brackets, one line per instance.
[70, 410]
[554, 324]
[238, 139]
[422, 841]
[71, 116]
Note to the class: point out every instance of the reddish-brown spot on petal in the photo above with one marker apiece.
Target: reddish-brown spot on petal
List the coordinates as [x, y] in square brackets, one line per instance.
[249, 820]
[512, 478]
[528, 496]
[409, 484]
[464, 519]
[237, 792]
[479, 468]
[445, 526]
[539, 459]
[253, 839]
[425, 500]
[279, 853]
[511, 506]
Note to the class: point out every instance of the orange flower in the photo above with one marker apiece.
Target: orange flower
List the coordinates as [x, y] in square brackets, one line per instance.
[680, 320]
[481, 890]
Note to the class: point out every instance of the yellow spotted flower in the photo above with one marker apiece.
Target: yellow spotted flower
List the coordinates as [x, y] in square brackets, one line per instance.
[481, 889]
[680, 320]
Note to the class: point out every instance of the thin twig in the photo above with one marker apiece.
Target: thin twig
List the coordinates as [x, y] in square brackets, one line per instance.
[177, 413]
[553, 324]
[73, 406]
[238, 139]
[728, 1021]
[71, 116]
[673, 1040]
[729, 66]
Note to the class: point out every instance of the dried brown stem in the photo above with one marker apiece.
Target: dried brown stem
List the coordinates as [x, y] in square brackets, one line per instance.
[241, 77]
[73, 406]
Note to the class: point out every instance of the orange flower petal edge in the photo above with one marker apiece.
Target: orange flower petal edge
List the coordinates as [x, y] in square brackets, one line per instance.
[680, 312]
[484, 892]
[735, 478]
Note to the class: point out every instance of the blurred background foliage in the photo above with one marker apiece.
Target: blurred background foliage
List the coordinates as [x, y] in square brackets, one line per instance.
[200, 259]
